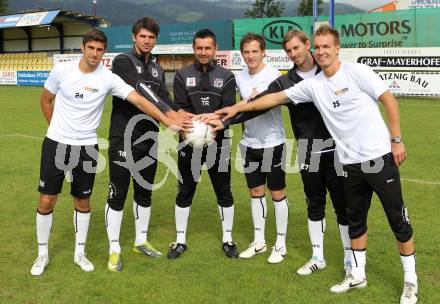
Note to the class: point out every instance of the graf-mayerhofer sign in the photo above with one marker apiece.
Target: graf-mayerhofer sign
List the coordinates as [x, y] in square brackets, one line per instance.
[404, 59]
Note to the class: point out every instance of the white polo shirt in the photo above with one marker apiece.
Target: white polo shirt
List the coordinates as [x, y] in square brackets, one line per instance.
[348, 104]
[79, 101]
[267, 129]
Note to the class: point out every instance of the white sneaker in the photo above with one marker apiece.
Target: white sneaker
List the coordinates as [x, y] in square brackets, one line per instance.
[311, 266]
[409, 293]
[277, 255]
[349, 282]
[254, 248]
[82, 261]
[39, 265]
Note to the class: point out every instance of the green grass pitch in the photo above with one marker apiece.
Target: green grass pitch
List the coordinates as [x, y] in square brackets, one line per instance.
[204, 274]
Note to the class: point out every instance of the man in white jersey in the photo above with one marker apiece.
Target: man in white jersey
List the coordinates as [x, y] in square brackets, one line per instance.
[262, 147]
[346, 95]
[79, 90]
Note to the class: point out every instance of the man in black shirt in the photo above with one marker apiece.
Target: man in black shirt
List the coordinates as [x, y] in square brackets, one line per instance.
[138, 69]
[204, 87]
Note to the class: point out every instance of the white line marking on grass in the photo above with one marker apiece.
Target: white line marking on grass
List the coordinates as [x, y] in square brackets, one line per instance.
[419, 181]
[21, 135]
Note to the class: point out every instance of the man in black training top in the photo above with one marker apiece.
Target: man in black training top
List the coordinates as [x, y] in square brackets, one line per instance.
[199, 88]
[137, 68]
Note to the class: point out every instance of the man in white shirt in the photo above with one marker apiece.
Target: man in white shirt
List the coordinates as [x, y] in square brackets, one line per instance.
[262, 148]
[346, 96]
[79, 90]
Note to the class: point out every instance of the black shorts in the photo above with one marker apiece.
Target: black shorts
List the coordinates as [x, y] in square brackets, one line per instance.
[317, 179]
[265, 165]
[142, 170]
[58, 158]
[359, 184]
[217, 160]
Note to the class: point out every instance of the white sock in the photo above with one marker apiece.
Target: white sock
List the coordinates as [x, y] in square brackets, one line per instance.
[81, 222]
[44, 225]
[343, 231]
[409, 268]
[141, 222]
[259, 212]
[358, 261]
[227, 218]
[281, 218]
[181, 215]
[316, 233]
[113, 220]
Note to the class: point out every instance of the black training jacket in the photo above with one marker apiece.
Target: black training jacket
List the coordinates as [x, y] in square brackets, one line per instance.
[135, 70]
[200, 92]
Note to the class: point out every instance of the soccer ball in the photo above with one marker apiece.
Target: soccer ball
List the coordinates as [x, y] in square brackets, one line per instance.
[200, 135]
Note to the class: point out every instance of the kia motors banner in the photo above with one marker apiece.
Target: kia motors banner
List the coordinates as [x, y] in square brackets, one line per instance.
[8, 77]
[273, 29]
[412, 83]
[404, 59]
[404, 28]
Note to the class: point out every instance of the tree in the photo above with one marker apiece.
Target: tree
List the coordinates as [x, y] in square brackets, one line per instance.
[265, 8]
[305, 8]
[3, 6]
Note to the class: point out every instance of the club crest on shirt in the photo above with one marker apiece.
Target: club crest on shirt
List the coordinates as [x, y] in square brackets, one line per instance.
[341, 91]
[191, 82]
[154, 72]
[139, 69]
[92, 90]
[218, 82]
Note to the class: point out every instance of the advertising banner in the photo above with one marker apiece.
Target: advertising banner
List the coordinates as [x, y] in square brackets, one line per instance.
[32, 78]
[171, 34]
[404, 28]
[182, 33]
[9, 20]
[408, 4]
[8, 77]
[106, 59]
[28, 19]
[276, 58]
[412, 83]
[273, 29]
[404, 59]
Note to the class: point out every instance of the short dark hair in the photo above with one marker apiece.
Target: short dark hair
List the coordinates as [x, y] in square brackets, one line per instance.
[327, 30]
[292, 33]
[253, 37]
[205, 33]
[95, 35]
[147, 23]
